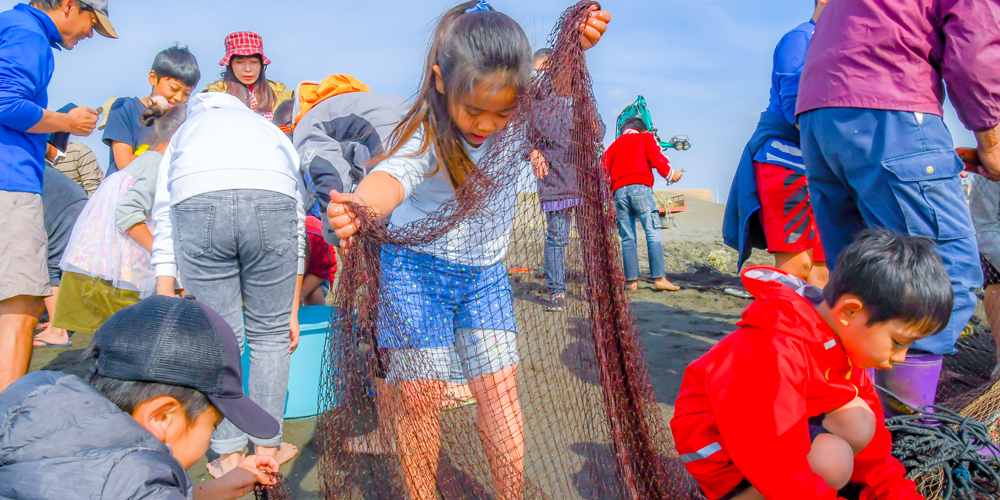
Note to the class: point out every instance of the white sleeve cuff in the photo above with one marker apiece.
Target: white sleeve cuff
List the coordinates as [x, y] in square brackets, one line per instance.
[302, 265]
[166, 270]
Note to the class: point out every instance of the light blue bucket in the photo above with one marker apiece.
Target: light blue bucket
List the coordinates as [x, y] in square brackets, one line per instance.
[306, 364]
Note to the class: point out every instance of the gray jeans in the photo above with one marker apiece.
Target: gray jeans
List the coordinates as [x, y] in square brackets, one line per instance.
[237, 252]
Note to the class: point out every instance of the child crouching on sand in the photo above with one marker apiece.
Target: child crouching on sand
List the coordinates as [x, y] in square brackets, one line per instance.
[165, 372]
[782, 407]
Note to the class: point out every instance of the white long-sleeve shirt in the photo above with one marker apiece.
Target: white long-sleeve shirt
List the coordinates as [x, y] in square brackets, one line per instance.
[222, 145]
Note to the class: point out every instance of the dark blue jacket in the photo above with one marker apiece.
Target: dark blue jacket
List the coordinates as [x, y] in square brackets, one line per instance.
[741, 227]
[61, 439]
[27, 36]
[552, 128]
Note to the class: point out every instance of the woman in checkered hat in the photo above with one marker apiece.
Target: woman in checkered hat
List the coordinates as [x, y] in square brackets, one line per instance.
[244, 77]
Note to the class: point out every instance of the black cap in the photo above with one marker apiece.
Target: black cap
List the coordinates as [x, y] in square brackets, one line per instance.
[181, 342]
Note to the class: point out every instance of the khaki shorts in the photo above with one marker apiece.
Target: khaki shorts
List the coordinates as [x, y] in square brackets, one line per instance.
[23, 246]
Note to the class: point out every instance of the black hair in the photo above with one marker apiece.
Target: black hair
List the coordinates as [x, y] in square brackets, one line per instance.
[167, 122]
[540, 53]
[897, 277]
[635, 122]
[470, 48]
[283, 113]
[178, 63]
[127, 395]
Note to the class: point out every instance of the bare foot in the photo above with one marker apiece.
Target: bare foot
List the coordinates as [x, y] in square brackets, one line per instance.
[665, 284]
[633, 285]
[283, 453]
[225, 463]
[377, 442]
[54, 336]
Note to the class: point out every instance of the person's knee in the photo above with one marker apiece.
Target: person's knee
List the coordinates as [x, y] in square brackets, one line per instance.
[854, 423]
[832, 459]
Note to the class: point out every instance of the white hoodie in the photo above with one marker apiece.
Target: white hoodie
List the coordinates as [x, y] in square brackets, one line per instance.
[222, 145]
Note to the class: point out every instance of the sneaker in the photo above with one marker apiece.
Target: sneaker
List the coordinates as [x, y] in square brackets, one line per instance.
[558, 303]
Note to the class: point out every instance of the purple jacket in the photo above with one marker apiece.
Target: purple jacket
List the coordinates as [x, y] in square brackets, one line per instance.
[892, 55]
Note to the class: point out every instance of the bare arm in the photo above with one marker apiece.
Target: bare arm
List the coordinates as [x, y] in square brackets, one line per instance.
[989, 153]
[140, 233]
[379, 191]
[79, 121]
[123, 154]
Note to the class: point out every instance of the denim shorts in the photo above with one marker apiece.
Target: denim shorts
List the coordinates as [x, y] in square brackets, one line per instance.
[430, 306]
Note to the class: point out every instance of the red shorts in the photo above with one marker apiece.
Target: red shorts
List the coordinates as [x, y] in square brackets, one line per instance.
[785, 211]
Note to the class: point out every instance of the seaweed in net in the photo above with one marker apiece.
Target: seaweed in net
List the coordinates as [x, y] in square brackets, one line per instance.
[585, 420]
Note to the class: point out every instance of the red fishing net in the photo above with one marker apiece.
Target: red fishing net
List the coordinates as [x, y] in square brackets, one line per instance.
[565, 411]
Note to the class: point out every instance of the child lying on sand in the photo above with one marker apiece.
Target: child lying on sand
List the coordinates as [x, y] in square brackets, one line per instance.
[782, 408]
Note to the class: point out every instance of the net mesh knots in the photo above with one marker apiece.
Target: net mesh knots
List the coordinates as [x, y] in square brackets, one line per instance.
[573, 414]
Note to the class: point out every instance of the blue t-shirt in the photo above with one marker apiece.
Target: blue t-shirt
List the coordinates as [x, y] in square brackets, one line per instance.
[27, 36]
[124, 126]
[789, 58]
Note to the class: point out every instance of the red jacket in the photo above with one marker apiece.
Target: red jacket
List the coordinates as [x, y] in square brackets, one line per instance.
[322, 259]
[743, 407]
[632, 158]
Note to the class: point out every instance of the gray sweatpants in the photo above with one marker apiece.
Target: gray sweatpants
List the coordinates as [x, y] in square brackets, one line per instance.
[236, 252]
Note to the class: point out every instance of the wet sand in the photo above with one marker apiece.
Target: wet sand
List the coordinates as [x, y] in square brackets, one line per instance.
[676, 328]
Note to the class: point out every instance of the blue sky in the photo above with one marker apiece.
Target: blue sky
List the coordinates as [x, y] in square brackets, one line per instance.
[703, 65]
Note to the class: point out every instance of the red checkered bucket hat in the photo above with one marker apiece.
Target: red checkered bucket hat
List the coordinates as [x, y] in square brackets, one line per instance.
[244, 43]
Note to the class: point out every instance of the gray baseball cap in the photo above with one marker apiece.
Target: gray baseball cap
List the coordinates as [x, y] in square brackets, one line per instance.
[104, 26]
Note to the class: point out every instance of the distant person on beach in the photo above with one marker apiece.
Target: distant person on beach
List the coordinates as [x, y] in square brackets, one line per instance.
[769, 204]
[28, 33]
[174, 75]
[558, 187]
[79, 163]
[876, 148]
[630, 162]
[163, 374]
[245, 75]
[782, 407]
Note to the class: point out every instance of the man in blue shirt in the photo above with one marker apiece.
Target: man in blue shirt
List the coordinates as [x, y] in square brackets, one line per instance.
[28, 33]
[771, 176]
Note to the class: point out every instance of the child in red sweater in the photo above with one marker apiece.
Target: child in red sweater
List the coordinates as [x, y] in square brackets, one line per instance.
[630, 162]
[782, 408]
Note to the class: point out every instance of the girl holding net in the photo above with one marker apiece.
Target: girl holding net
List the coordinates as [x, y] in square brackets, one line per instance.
[452, 292]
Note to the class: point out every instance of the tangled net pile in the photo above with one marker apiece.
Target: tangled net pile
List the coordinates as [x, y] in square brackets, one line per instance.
[591, 426]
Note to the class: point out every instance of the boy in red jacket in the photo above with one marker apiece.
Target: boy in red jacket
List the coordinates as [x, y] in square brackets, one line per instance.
[630, 162]
[782, 408]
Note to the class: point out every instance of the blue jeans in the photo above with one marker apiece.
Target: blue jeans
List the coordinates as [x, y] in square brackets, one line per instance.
[637, 202]
[237, 251]
[895, 170]
[556, 240]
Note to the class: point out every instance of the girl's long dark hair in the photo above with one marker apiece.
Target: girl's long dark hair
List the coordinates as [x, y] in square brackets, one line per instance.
[470, 48]
[262, 89]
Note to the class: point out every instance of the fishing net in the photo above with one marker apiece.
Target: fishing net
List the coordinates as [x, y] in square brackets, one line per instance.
[573, 414]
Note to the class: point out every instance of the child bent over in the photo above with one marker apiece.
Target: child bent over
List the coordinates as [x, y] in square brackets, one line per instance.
[782, 408]
[165, 372]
